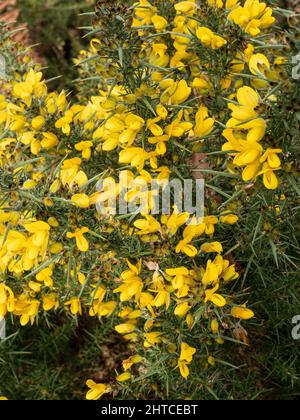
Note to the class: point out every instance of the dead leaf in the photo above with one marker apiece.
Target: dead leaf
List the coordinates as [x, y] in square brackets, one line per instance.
[6, 3]
[151, 265]
[241, 334]
[199, 161]
[10, 17]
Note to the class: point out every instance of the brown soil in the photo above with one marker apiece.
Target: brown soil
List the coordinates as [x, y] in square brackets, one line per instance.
[9, 13]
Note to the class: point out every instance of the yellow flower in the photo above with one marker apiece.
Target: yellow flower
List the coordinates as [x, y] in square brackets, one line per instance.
[241, 312]
[179, 276]
[50, 302]
[125, 328]
[53, 222]
[36, 287]
[187, 7]
[55, 102]
[159, 56]
[27, 309]
[133, 284]
[187, 352]
[204, 124]
[31, 87]
[229, 273]
[252, 17]
[216, 299]
[75, 306]
[159, 22]
[183, 368]
[30, 139]
[185, 247]
[248, 101]
[208, 225]
[202, 84]
[178, 127]
[228, 218]
[128, 363]
[85, 148]
[55, 186]
[162, 298]
[182, 309]
[259, 64]
[251, 152]
[270, 156]
[270, 180]
[29, 184]
[136, 156]
[50, 140]
[211, 274]
[186, 356]
[133, 125]
[38, 122]
[148, 225]
[81, 242]
[217, 3]
[161, 111]
[81, 200]
[103, 308]
[144, 11]
[40, 233]
[123, 377]
[45, 276]
[214, 326]
[56, 248]
[212, 247]
[96, 390]
[152, 339]
[64, 123]
[69, 171]
[211, 360]
[175, 221]
[209, 39]
[231, 3]
[251, 171]
[175, 93]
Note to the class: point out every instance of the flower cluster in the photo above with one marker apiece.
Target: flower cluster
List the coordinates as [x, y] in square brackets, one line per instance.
[244, 134]
[162, 101]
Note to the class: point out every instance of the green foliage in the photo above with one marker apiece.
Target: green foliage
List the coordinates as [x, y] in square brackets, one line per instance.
[53, 360]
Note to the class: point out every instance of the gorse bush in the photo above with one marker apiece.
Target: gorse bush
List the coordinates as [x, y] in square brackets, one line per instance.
[167, 90]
